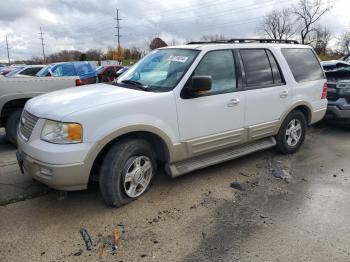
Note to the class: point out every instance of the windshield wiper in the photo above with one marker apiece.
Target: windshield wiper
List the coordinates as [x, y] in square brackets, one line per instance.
[135, 83]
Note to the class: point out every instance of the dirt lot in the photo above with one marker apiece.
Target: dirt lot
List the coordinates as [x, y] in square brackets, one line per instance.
[198, 217]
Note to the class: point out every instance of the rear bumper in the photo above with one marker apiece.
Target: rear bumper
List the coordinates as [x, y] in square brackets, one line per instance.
[317, 116]
[61, 177]
[334, 112]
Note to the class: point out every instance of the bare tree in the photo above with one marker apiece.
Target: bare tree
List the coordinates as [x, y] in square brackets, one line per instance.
[344, 43]
[321, 40]
[308, 13]
[277, 24]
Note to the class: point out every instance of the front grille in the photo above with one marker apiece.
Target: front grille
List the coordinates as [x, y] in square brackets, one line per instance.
[27, 124]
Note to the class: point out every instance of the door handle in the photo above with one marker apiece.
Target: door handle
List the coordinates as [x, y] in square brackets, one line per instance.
[284, 94]
[233, 102]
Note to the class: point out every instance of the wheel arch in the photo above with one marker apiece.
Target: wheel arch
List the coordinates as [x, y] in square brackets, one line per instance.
[157, 138]
[304, 107]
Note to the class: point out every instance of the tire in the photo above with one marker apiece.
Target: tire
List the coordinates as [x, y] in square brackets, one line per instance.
[12, 125]
[123, 167]
[290, 139]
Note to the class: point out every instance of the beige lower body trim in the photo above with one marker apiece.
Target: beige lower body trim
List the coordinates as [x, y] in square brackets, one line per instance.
[202, 145]
[317, 115]
[263, 130]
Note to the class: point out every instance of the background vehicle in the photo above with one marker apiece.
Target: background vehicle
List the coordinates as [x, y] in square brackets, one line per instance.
[185, 107]
[15, 92]
[107, 73]
[10, 69]
[84, 70]
[29, 70]
[338, 76]
[122, 70]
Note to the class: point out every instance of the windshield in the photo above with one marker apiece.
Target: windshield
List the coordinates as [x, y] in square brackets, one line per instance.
[44, 71]
[13, 72]
[160, 70]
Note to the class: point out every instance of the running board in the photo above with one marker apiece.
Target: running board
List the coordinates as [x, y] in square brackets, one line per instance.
[186, 166]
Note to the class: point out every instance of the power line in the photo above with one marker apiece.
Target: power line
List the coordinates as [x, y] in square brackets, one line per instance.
[8, 51]
[118, 28]
[42, 43]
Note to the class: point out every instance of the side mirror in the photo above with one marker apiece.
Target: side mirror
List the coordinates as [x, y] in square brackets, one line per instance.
[199, 84]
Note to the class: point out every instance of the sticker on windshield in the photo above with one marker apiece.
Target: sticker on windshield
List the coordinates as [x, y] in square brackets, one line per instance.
[177, 58]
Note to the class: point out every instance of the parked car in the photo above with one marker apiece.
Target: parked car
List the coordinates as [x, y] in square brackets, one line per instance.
[15, 92]
[27, 71]
[122, 71]
[10, 69]
[338, 76]
[107, 73]
[183, 107]
[84, 70]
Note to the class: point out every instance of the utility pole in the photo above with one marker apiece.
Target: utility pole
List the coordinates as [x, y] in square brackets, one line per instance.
[8, 51]
[42, 44]
[118, 28]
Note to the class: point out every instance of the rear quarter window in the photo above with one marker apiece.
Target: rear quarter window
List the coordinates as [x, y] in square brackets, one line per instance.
[303, 63]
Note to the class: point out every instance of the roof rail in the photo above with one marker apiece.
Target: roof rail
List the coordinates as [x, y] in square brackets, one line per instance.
[246, 40]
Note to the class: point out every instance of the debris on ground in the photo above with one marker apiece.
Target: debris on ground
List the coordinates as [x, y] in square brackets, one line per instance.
[237, 185]
[342, 170]
[116, 237]
[78, 253]
[282, 174]
[304, 179]
[86, 237]
[334, 175]
[244, 174]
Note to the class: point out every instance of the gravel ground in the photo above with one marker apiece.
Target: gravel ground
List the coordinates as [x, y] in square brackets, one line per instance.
[236, 211]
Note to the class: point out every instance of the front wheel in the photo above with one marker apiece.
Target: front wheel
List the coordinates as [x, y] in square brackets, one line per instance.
[292, 133]
[127, 171]
[12, 125]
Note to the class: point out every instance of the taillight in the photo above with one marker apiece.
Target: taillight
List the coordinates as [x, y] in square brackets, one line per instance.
[324, 91]
[78, 82]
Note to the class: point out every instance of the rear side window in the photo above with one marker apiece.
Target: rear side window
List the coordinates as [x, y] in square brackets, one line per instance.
[64, 70]
[303, 64]
[257, 68]
[84, 69]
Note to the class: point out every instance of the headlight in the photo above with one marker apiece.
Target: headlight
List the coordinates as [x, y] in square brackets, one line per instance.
[62, 133]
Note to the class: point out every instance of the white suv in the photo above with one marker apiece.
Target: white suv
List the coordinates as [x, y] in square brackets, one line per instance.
[186, 107]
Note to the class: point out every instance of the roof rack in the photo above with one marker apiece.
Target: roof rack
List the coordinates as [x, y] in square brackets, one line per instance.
[247, 40]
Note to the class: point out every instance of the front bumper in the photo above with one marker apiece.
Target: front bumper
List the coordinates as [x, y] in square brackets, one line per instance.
[61, 177]
[63, 167]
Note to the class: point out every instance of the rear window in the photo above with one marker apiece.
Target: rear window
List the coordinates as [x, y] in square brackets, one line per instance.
[303, 63]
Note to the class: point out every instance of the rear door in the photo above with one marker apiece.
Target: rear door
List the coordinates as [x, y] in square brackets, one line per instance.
[268, 94]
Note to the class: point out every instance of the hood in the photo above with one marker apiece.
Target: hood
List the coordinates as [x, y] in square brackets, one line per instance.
[58, 104]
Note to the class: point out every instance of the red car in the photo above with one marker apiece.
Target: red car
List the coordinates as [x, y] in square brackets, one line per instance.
[107, 73]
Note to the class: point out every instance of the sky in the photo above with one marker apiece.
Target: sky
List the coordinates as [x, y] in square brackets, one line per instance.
[88, 24]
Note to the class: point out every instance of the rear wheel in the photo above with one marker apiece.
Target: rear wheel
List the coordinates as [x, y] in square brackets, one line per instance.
[127, 171]
[12, 125]
[292, 133]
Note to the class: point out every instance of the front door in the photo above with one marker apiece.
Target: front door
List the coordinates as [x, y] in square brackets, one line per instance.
[215, 119]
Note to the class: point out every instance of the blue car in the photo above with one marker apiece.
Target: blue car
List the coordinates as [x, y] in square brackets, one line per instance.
[85, 71]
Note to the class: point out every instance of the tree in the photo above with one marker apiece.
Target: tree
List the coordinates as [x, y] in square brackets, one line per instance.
[321, 41]
[277, 25]
[344, 43]
[308, 13]
[157, 43]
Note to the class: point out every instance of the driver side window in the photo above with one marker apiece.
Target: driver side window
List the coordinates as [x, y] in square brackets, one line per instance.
[220, 65]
